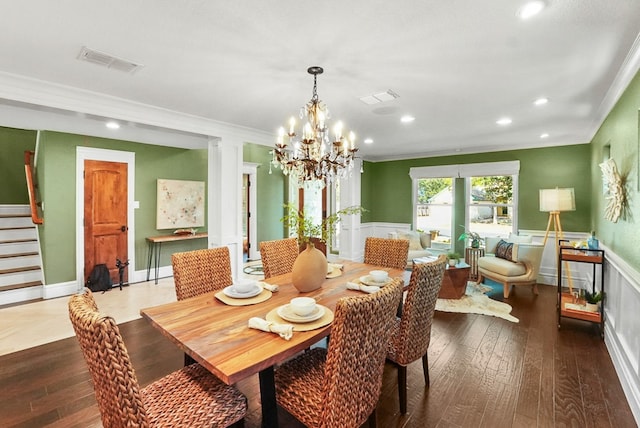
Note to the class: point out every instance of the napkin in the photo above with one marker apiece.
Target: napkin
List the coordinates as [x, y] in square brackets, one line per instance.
[361, 287]
[271, 287]
[284, 330]
[337, 265]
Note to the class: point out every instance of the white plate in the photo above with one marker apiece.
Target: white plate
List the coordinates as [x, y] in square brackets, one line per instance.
[368, 280]
[231, 292]
[287, 314]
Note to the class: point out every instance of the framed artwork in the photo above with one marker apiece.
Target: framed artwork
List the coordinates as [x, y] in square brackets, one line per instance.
[180, 204]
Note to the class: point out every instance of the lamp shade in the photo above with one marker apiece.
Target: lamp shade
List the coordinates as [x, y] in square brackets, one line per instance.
[557, 199]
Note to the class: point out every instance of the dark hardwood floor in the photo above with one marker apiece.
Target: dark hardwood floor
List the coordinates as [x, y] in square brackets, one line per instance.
[485, 372]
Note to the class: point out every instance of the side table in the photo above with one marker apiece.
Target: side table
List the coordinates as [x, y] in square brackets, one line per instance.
[471, 256]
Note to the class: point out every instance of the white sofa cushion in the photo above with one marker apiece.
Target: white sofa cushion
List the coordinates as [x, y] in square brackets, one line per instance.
[413, 237]
[501, 266]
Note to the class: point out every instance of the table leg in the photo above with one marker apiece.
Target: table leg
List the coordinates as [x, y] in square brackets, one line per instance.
[150, 248]
[268, 398]
[158, 247]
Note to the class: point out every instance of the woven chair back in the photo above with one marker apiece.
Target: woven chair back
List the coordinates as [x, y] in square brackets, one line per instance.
[201, 271]
[391, 253]
[114, 380]
[278, 256]
[414, 335]
[356, 355]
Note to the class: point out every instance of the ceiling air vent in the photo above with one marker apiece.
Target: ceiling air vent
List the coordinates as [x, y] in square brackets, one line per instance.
[107, 60]
[379, 98]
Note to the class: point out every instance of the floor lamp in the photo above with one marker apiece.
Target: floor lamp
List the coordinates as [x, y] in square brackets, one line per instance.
[554, 201]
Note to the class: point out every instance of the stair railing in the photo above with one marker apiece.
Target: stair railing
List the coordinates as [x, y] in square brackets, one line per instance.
[31, 187]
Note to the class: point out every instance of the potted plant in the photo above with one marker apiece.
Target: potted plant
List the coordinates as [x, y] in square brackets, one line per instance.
[475, 238]
[310, 267]
[453, 257]
[593, 299]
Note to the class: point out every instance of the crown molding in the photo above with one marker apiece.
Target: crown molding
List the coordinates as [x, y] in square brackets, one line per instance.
[41, 95]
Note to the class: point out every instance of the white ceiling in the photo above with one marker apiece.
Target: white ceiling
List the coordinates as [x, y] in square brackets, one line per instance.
[458, 66]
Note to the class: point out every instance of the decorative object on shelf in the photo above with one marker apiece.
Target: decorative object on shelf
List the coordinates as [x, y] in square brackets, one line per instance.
[311, 155]
[454, 258]
[556, 201]
[592, 242]
[474, 237]
[616, 194]
[592, 300]
[310, 267]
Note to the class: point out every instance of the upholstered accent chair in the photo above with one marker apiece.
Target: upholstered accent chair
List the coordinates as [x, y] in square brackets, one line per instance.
[278, 256]
[186, 398]
[340, 386]
[386, 252]
[201, 271]
[511, 261]
[411, 333]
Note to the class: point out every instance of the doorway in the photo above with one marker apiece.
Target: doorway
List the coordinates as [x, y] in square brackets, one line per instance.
[250, 211]
[110, 181]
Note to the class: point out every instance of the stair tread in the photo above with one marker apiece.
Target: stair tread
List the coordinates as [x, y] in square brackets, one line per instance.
[22, 285]
[14, 215]
[17, 241]
[7, 256]
[20, 269]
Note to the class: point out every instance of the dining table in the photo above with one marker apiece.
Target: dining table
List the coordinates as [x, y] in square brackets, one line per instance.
[217, 335]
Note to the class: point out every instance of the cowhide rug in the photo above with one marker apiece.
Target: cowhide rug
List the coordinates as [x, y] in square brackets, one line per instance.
[475, 301]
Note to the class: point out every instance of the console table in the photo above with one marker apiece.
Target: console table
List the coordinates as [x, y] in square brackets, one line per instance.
[155, 245]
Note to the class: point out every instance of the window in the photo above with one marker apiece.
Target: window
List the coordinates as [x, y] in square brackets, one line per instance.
[489, 194]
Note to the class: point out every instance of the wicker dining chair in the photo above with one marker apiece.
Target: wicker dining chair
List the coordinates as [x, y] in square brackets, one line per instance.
[201, 271]
[411, 333]
[386, 252]
[340, 387]
[186, 398]
[278, 256]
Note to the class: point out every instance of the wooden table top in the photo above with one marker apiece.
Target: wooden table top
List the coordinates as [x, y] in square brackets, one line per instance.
[218, 337]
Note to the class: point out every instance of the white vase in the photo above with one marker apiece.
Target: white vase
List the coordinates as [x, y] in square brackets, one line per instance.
[309, 269]
[453, 262]
[592, 307]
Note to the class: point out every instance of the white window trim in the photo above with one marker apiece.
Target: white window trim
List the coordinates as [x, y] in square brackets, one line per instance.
[466, 170]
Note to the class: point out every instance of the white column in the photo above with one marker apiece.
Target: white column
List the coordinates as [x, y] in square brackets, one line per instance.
[351, 243]
[225, 197]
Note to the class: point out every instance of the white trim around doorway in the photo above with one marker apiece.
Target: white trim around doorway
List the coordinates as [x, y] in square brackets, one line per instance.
[251, 169]
[88, 153]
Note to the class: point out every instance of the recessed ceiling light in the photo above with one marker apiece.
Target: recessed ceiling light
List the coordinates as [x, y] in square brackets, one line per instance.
[541, 101]
[545, 135]
[531, 9]
[503, 121]
[407, 119]
[113, 125]
[368, 141]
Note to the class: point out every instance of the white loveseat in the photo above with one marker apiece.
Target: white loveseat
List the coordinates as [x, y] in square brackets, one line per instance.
[419, 244]
[520, 267]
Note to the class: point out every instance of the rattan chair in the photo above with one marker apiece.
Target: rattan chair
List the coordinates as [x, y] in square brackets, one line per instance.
[278, 256]
[189, 397]
[201, 271]
[386, 252]
[411, 333]
[340, 387]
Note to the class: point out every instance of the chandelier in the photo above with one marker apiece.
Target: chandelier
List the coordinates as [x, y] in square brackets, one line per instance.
[312, 155]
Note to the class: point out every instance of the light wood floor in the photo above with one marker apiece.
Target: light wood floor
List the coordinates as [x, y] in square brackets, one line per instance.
[485, 372]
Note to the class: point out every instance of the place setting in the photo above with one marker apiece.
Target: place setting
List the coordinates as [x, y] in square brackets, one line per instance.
[303, 313]
[334, 270]
[245, 292]
[372, 282]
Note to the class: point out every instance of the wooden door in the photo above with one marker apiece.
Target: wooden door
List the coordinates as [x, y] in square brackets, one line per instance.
[105, 216]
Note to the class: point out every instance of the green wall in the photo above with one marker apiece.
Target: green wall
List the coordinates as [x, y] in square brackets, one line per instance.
[620, 133]
[57, 173]
[271, 193]
[13, 182]
[564, 166]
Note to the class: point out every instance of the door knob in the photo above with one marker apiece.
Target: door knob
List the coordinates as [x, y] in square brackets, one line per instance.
[123, 228]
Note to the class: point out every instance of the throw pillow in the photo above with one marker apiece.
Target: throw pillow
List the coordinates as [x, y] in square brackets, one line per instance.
[504, 250]
[413, 237]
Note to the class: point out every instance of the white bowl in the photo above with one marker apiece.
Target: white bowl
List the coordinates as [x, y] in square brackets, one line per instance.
[379, 275]
[302, 306]
[244, 285]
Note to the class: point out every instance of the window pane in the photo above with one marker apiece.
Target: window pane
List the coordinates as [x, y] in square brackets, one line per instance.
[491, 205]
[434, 209]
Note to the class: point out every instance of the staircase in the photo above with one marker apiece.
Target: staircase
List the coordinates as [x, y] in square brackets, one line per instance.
[20, 260]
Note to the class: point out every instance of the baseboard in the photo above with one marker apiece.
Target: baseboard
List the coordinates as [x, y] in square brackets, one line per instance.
[62, 289]
[624, 370]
